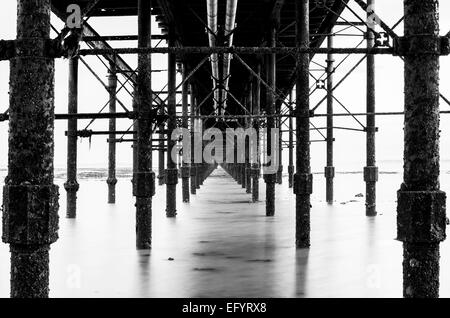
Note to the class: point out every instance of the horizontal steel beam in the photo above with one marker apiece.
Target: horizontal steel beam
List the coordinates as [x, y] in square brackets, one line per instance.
[237, 50]
[120, 38]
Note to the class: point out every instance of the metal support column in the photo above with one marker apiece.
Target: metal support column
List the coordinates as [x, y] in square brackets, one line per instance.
[30, 199]
[171, 171]
[185, 168]
[256, 167]
[270, 179]
[421, 218]
[193, 171]
[329, 169]
[162, 145]
[72, 185]
[112, 180]
[303, 177]
[291, 168]
[248, 166]
[144, 177]
[371, 171]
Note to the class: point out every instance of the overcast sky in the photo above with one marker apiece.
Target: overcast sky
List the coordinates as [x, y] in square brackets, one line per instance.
[350, 146]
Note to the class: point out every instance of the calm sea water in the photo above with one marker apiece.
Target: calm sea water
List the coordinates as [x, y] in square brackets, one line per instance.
[222, 245]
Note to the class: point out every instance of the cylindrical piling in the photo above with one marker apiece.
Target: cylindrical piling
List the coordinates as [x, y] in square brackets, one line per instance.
[248, 145]
[291, 168]
[303, 176]
[269, 176]
[256, 166]
[72, 185]
[171, 173]
[144, 177]
[30, 199]
[421, 219]
[112, 180]
[329, 169]
[185, 167]
[371, 170]
[193, 170]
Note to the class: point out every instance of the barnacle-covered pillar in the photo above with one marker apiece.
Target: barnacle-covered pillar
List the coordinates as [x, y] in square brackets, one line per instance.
[303, 177]
[30, 199]
[421, 219]
[144, 177]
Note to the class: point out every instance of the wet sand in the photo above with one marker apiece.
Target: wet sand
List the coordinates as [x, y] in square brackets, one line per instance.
[222, 245]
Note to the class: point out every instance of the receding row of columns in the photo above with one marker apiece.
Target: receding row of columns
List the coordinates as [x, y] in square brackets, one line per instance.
[30, 202]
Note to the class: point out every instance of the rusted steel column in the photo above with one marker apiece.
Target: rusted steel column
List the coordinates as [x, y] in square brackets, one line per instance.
[30, 199]
[185, 168]
[72, 185]
[291, 167]
[144, 177]
[371, 170]
[280, 150]
[270, 179]
[112, 180]
[248, 125]
[303, 177]
[256, 167]
[329, 169]
[421, 219]
[161, 153]
[171, 171]
[193, 170]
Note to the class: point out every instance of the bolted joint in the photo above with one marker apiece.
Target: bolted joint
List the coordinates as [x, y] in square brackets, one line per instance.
[371, 129]
[171, 176]
[303, 183]
[30, 214]
[291, 170]
[185, 172]
[330, 172]
[422, 44]
[371, 174]
[421, 216]
[72, 186]
[270, 178]
[111, 181]
[144, 184]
